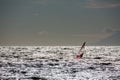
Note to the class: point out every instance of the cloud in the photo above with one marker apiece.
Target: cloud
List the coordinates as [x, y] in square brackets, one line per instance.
[92, 35]
[103, 3]
[91, 38]
[43, 33]
[41, 2]
[36, 14]
[114, 39]
[110, 30]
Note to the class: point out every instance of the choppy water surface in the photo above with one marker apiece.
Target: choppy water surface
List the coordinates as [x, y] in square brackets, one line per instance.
[59, 63]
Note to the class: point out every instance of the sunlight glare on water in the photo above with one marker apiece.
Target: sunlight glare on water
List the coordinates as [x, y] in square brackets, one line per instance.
[59, 63]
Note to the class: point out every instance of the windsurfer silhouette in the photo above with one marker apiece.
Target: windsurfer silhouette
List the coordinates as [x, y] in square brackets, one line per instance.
[80, 55]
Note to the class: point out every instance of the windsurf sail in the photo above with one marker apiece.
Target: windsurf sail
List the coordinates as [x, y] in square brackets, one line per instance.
[81, 52]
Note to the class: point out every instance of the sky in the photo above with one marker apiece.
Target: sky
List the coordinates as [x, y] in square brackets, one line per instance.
[59, 22]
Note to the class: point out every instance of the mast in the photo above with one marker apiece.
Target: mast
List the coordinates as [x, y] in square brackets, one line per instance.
[82, 47]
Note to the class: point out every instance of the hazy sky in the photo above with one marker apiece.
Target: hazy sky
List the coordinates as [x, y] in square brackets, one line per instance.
[58, 22]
